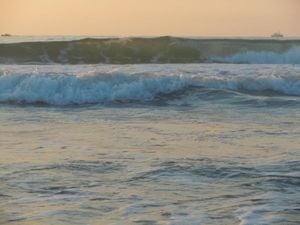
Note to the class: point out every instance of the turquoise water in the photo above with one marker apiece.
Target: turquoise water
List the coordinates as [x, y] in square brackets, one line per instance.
[149, 144]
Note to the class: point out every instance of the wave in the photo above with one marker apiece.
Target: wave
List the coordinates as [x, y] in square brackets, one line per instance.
[152, 50]
[69, 88]
[292, 56]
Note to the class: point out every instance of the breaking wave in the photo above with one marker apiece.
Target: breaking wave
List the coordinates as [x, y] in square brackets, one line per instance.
[264, 57]
[67, 88]
[152, 50]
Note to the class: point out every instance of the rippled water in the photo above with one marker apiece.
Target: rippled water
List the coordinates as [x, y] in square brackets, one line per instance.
[200, 156]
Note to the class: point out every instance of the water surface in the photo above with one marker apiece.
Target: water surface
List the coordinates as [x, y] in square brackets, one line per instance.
[149, 144]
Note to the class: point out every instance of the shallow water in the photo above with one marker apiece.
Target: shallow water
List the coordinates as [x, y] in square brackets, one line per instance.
[209, 152]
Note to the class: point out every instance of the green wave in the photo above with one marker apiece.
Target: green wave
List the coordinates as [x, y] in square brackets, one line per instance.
[137, 50]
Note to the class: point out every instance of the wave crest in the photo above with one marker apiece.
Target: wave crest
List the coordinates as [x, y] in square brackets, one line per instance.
[264, 57]
[152, 50]
[63, 89]
[67, 88]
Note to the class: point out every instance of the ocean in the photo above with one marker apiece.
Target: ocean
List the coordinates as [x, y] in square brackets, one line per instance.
[147, 131]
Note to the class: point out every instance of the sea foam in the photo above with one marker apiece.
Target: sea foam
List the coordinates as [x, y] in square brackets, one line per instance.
[141, 83]
[291, 56]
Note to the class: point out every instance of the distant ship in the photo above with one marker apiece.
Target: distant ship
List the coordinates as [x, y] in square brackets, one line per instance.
[277, 35]
[5, 35]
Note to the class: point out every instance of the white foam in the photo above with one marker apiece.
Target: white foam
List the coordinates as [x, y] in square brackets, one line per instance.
[263, 57]
[63, 85]
[69, 89]
[289, 85]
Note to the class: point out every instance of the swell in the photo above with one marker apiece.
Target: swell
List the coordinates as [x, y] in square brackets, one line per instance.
[115, 87]
[152, 50]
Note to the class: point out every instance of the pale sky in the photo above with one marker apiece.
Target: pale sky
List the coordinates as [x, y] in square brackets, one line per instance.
[150, 17]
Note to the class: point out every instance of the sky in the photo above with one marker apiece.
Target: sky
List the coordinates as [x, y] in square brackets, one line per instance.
[150, 17]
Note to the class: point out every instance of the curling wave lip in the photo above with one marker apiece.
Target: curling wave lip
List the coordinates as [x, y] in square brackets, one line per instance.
[67, 85]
